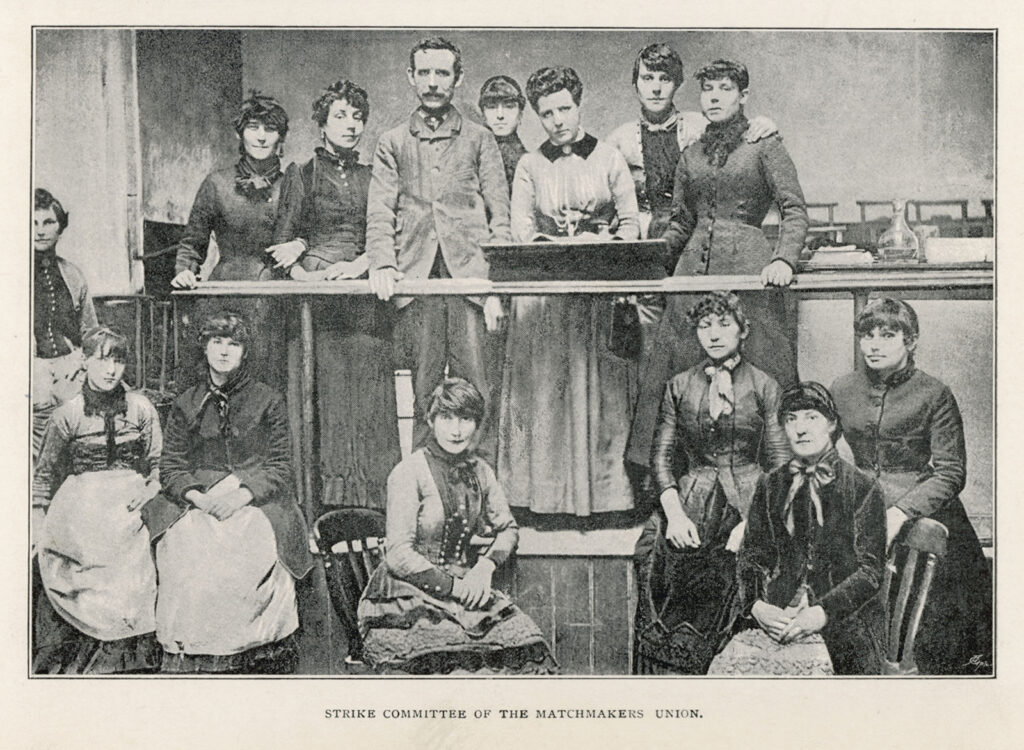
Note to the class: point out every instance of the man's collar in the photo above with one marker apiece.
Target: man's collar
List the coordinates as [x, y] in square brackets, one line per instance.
[450, 124]
[582, 147]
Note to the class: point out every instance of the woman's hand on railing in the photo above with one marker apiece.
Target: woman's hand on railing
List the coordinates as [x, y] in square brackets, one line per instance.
[347, 269]
[185, 280]
[286, 253]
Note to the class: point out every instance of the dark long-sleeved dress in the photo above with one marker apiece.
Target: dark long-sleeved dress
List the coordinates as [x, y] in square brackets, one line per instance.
[717, 213]
[324, 203]
[839, 565]
[243, 223]
[907, 431]
[686, 596]
[227, 596]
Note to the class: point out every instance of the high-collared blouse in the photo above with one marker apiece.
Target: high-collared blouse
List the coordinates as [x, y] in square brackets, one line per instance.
[244, 228]
[76, 443]
[721, 452]
[416, 522]
[906, 430]
[628, 138]
[592, 179]
[63, 308]
[717, 211]
[324, 203]
[436, 188]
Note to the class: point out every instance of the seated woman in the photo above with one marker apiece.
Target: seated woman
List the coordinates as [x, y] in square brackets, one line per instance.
[100, 454]
[230, 539]
[323, 215]
[429, 607]
[566, 397]
[724, 189]
[719, 415]
[904, 427]
[813, 555]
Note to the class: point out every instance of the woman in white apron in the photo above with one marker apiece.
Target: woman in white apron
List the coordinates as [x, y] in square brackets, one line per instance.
[231, 540]
[97, 467]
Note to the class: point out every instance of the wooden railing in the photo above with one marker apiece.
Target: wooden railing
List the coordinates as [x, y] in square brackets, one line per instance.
[960, 281]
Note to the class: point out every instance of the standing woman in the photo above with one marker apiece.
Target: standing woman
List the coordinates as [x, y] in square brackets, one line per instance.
[231, 540]
[566, 399]
[719, 415]
[904, 427]
[238, 205]
[724, 188]
[62, 312]
[323, 217]
[97, 468]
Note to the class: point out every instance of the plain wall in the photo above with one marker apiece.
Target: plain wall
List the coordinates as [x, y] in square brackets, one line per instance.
[865, 115]
[82, 131]
[190, 84]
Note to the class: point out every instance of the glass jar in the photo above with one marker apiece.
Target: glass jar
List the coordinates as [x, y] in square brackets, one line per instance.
[898, 242]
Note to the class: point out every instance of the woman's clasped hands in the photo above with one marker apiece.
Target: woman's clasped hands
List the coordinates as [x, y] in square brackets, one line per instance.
[790, 624]
[474, 589]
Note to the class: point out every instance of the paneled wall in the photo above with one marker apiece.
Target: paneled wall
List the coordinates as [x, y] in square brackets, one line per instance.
[85, 148]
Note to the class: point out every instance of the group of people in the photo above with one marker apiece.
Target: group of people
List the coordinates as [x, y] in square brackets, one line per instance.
[758, 521]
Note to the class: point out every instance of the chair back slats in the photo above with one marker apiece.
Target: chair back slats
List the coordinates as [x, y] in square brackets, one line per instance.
[925, 541]
[900, 607]
[907, 663]
[351, 542]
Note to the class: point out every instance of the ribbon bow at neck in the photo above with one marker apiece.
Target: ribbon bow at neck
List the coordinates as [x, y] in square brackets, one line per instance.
[815, 476]
[721, 399]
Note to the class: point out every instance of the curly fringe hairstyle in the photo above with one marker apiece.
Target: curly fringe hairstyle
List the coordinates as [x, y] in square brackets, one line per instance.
[719, 69]
[888, 313]
[721, 304]
[226, 323]
[814, 396]
[104, 341]
[659, 57]
[547, 81]
[44, 199]
[263, 109]
[456, 397]
[436, 42]
[345, 90]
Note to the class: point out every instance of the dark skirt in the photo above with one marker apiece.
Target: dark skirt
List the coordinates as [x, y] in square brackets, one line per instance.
[406, 630]
[686, 597]
[279, 657]
[355, 400]
[955, 636]
[60, 648]
[771, 346]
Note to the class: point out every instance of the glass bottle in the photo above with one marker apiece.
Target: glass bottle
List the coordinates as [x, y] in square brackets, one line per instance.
[898, 242]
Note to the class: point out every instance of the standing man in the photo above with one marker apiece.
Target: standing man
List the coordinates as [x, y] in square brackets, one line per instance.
[438, 191]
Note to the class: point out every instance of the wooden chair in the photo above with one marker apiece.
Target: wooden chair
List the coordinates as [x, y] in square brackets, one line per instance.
[351, 543]
[925, 540]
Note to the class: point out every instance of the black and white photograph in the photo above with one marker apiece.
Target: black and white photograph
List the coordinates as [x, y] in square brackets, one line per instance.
[485, 360]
